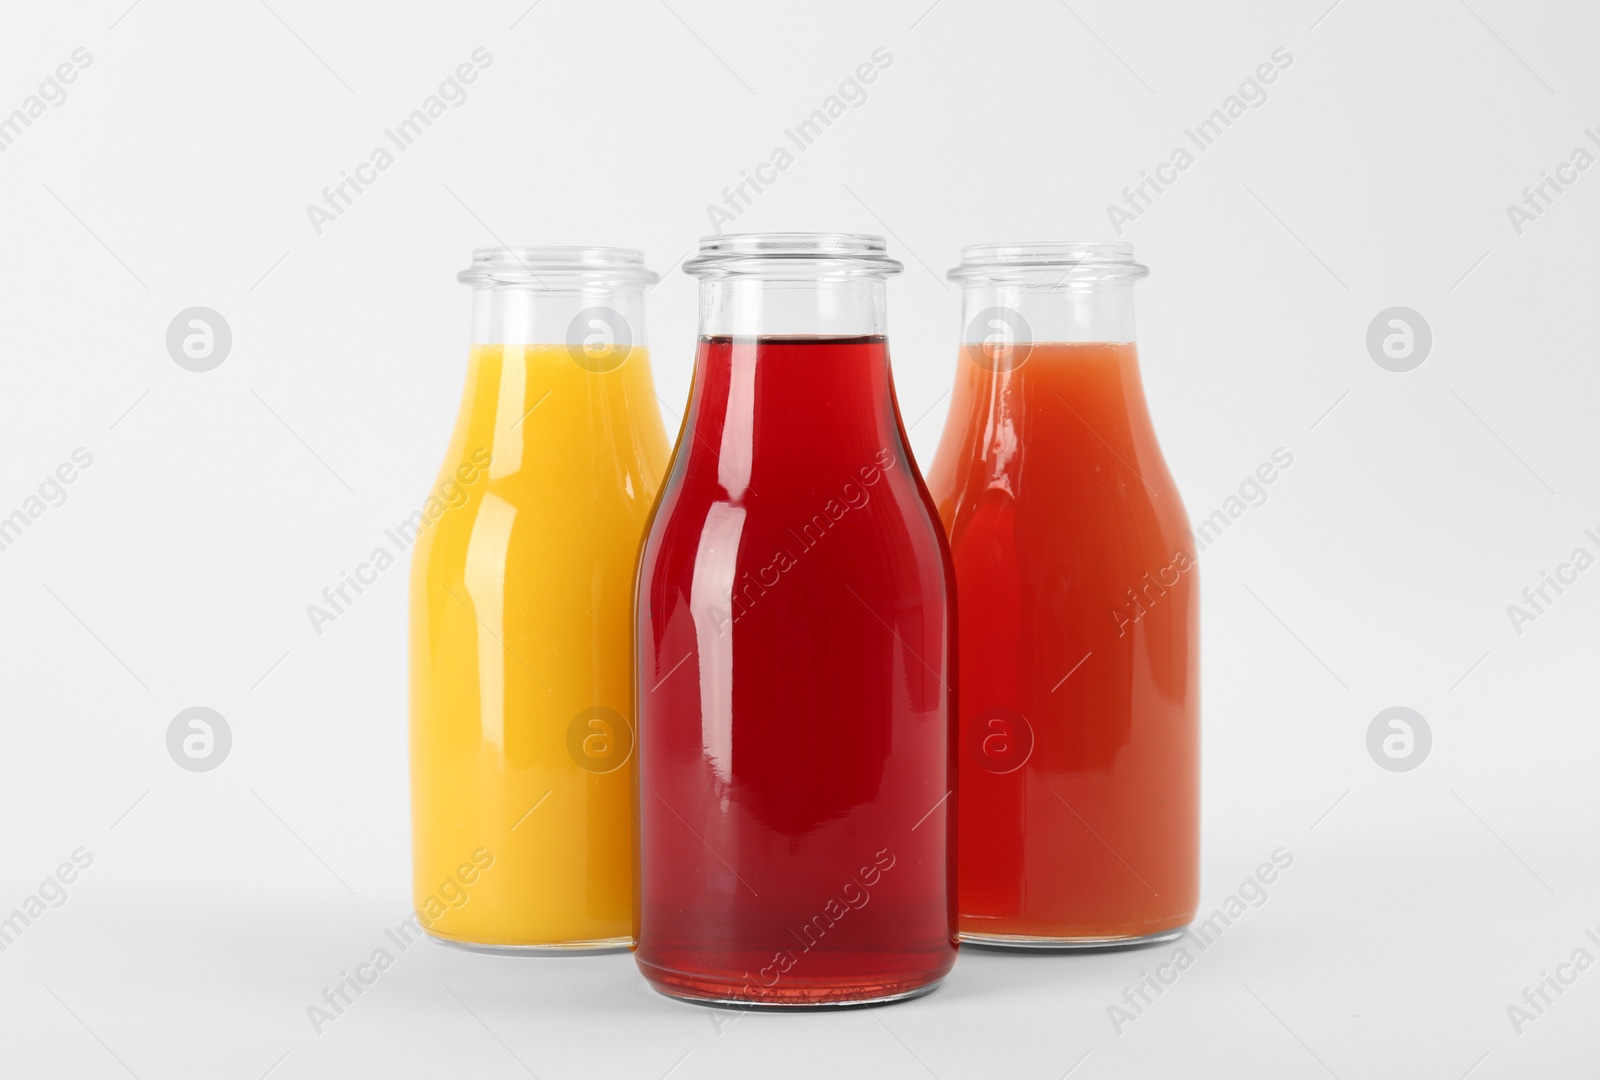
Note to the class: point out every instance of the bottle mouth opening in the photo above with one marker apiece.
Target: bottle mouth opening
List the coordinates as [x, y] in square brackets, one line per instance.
[1055, 264]
[558, 269]
[792, 255]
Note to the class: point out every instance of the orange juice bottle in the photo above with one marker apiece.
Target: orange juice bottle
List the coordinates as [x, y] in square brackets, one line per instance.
[1078, 598]
[521, 600]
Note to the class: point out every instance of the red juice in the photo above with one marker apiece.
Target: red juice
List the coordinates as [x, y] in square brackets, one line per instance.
[795, 690]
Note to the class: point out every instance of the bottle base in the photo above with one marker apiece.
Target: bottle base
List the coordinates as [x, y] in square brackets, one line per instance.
[1059, 944]
[695, 991]
[816, 999]
[563, 948]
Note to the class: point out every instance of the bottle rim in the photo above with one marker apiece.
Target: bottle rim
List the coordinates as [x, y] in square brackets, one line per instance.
[793, 255]
[558, 269]
[1060, 264]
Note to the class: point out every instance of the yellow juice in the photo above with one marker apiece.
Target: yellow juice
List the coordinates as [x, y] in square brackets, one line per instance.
[521, 651]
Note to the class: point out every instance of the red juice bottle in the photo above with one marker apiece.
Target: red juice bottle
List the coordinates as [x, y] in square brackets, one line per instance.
[795, 631]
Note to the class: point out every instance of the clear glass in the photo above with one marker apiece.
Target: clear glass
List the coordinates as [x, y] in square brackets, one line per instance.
[521, 608]
[1079, 611]
[795, 637]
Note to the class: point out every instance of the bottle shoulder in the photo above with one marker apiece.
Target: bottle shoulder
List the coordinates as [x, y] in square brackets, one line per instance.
[1045, 522]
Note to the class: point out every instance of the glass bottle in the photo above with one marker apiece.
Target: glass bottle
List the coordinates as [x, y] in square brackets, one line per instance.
[1079, 602]
[795, 636]
[521, 609]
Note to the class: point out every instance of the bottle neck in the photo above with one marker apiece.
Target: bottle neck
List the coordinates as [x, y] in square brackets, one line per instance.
[1005, 314]
[803, 363]
[595, 318]
[548, 365]
[1036, 361]
[829, 307]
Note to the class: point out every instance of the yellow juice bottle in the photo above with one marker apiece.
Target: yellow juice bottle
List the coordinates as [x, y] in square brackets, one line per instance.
[521, 599]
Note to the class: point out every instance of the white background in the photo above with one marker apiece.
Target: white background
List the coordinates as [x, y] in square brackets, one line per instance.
[1378, 572]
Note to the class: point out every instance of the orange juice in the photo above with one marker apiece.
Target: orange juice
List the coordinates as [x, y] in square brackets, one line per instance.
[521, 669]
[1079, 621]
